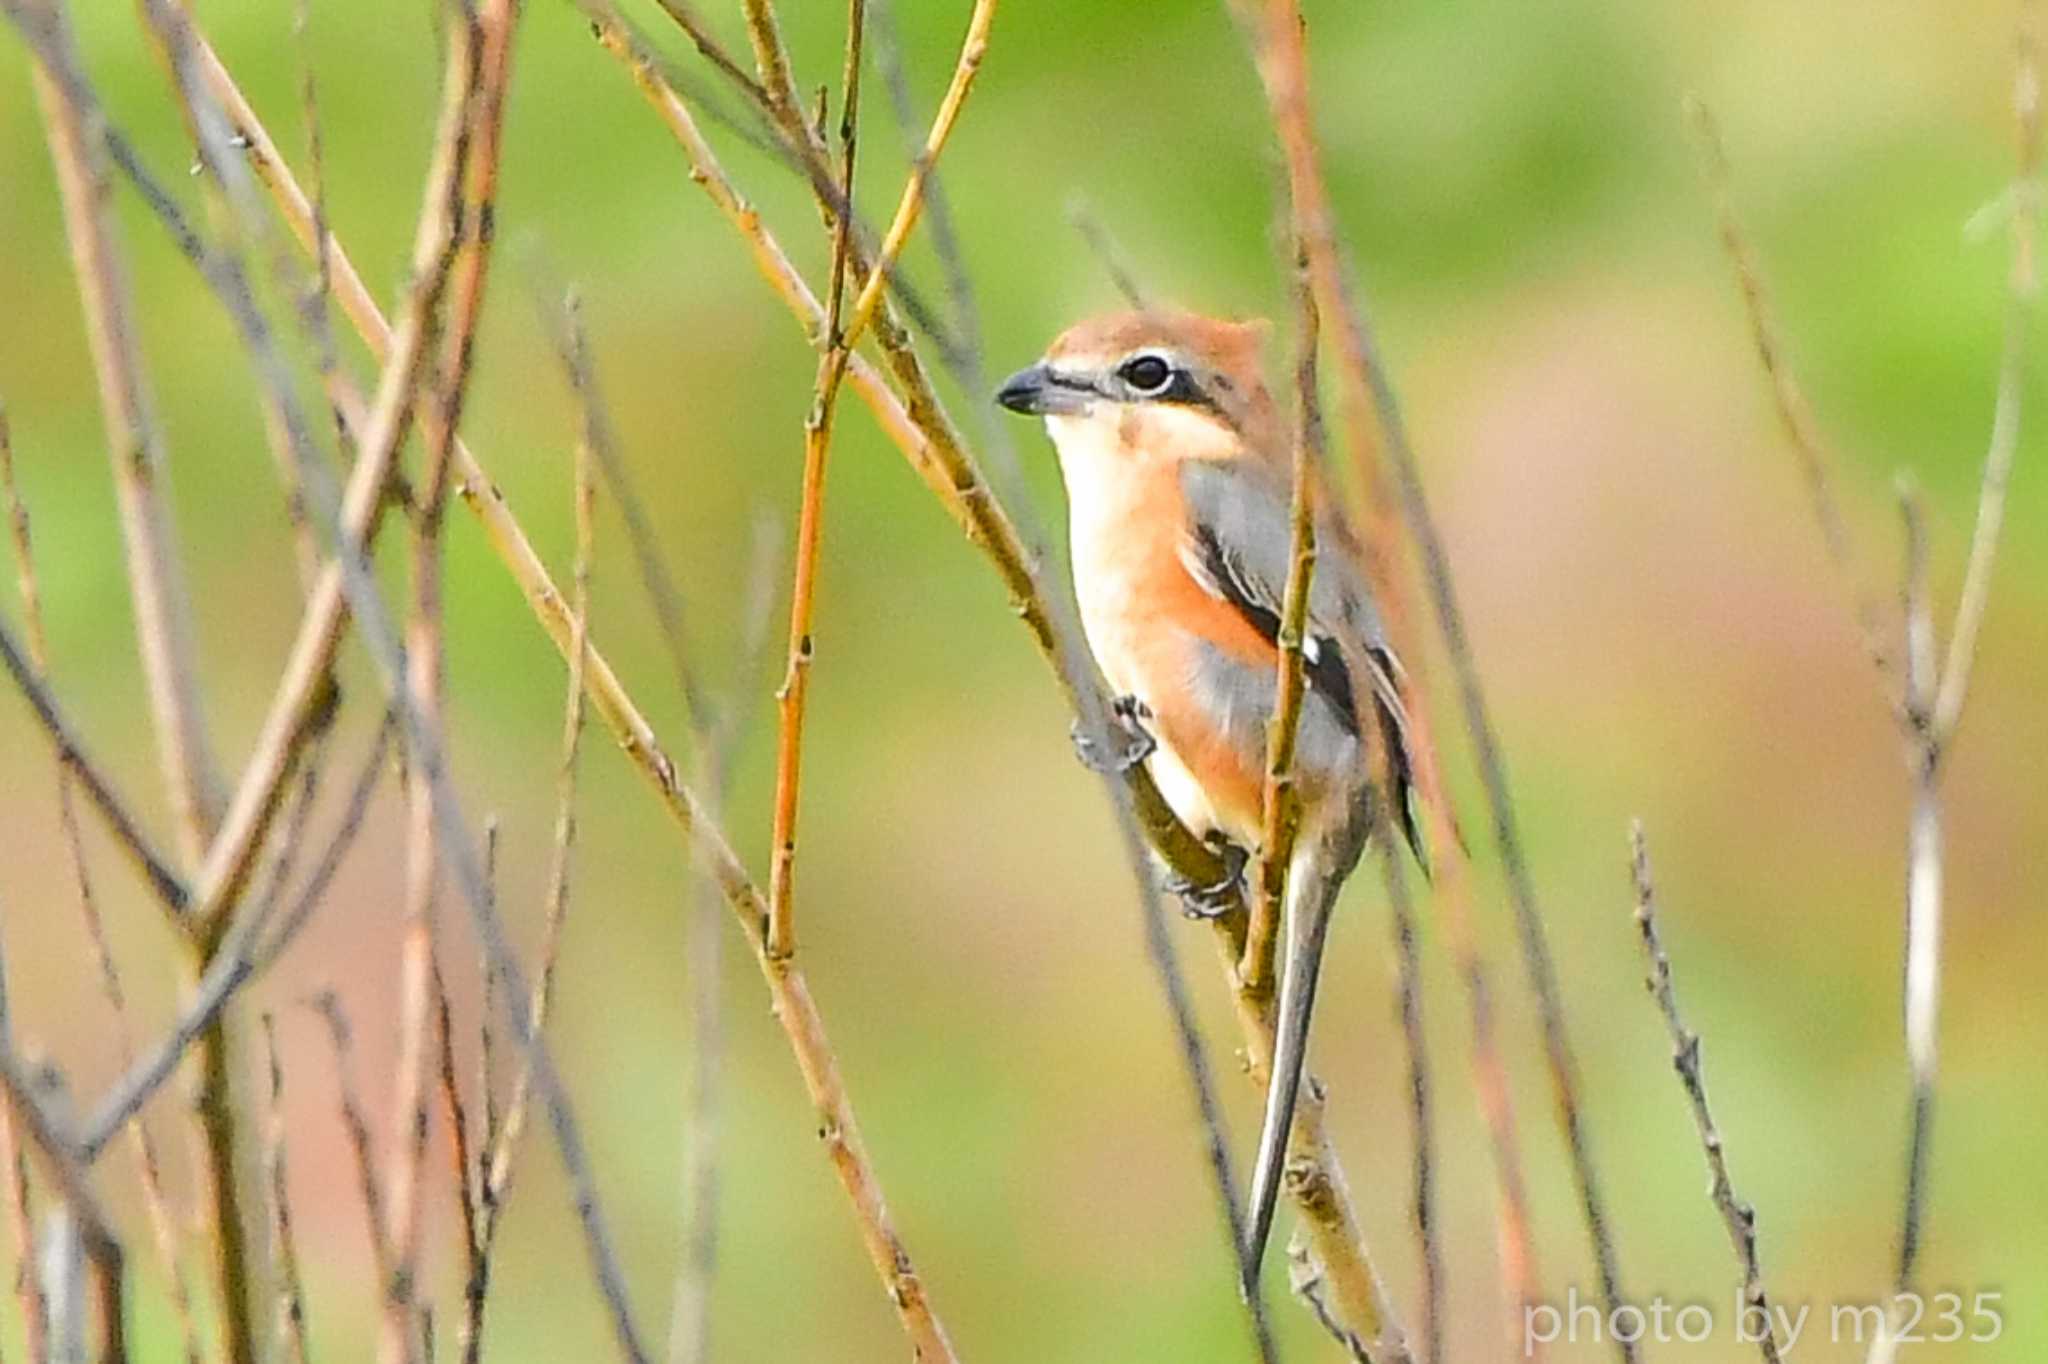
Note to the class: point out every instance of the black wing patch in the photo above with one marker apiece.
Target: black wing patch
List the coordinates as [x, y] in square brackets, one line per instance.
[1322, 661]
[1400, 761]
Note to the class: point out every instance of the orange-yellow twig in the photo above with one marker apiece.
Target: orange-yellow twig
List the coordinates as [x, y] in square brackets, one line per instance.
[796, 677]
[1281, 807]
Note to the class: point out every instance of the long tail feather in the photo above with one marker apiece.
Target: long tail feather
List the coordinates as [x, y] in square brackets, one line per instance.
[1311, 895]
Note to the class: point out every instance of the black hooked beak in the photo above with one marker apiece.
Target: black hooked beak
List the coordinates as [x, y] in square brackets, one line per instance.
[1043, 391]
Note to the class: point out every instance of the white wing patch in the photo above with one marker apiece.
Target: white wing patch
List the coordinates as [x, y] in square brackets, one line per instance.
[1192, 559]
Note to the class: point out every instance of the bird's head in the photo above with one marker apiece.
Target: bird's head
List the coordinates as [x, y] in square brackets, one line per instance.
[1150, 385]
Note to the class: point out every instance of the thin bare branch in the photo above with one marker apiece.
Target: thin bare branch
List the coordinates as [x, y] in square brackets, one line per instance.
[486, 1033]
[1923, 877]
[500, 1158]
[1280, 801]
[156, 579]
[1736, 1215]
[1180, 1007]
[697, 1269]
[1313, 1178]
[1922, 993]
[2025, 209]
[690, 1337]
[290, 840]
[165, 883]
[1421, 1112]
[802, 147]
[235, 962]
[111, 1304]
[496, 29]
[314, 309]
[1795, 416]
[1114, 263]
[284, 1253]
[474, 1153]
[25, 665]
[14, 1191]
[712, 50]
[356, 1128]
[416, 958]
[656, 578]
[462, 1161]
[1934, 694]
[302, 467]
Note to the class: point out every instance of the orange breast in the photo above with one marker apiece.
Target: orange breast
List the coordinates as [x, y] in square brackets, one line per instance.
[1146, 617]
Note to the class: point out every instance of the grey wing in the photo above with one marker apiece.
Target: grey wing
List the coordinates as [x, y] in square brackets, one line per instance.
[1238, 548]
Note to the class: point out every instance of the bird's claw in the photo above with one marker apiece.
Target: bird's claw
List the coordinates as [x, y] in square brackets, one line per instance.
[1126, 729]
[1215, 900]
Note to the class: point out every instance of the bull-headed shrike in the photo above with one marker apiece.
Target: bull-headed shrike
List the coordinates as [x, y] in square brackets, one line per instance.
[1178, 490]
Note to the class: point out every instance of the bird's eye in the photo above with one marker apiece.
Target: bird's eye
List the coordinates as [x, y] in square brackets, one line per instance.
[1147, 374]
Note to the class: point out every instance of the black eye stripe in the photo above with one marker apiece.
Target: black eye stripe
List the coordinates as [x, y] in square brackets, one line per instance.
[1184, 389]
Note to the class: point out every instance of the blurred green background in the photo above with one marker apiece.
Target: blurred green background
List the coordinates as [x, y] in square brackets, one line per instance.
[1659, 626]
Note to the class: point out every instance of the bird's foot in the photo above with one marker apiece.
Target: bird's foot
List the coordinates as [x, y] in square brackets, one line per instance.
[1215, 900]
[1129, 742]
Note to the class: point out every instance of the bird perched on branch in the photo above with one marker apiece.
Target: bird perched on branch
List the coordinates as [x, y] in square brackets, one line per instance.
[1178, 493]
